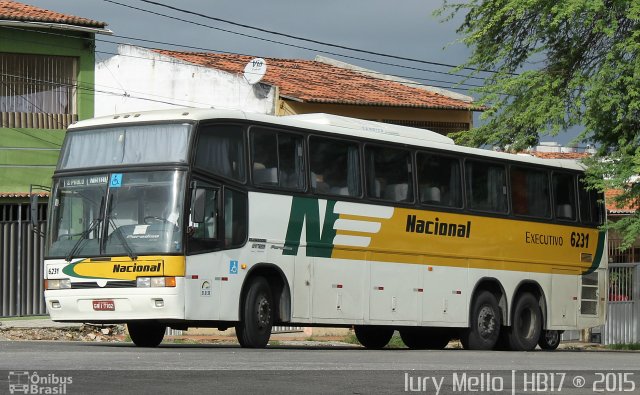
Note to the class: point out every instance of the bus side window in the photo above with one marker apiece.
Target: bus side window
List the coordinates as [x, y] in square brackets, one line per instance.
[439, 181]
[204, 213]
[220, 150]
[388, 172]
[530, 192]
[235, 218]
[486, 186]
[564, 196]
[591, 210]
[277, 159]
[335, 166]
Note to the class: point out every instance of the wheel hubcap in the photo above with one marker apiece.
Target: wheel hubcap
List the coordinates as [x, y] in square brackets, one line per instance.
[264, 313]
[486, 321]
[551, 337]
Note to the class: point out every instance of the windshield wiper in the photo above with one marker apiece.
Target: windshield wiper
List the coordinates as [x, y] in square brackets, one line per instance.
[122, 239]
[83, 237]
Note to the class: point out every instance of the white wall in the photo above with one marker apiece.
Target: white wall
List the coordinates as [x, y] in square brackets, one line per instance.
[139, 79]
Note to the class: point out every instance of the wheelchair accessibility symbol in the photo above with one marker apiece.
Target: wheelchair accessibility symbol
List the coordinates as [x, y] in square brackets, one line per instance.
[116, 180]
[233, 267]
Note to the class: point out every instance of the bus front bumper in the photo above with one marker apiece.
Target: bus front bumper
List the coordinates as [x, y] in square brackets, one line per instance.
[115, 305]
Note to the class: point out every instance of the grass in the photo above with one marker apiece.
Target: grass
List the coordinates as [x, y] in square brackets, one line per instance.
[628, 346]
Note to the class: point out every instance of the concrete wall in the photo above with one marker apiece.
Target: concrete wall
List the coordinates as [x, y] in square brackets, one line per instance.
[139, 79]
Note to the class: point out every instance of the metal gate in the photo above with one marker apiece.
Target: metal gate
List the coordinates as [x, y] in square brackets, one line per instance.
[21, 264]
[623, 307]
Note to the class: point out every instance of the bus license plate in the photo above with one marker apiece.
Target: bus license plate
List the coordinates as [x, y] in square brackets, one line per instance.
[104, 305]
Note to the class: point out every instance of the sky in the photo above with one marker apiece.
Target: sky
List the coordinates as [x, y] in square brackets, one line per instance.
[405, 28]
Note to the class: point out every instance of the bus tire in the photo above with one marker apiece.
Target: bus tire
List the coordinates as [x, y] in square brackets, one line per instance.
[424, 338]
[373, 337]
[526, 325]
[254, 328]
[549, 340]
[145, 334]
[484, 323]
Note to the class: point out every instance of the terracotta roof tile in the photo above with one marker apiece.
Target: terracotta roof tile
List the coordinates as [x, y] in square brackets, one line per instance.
[14, 11]
[21, 194]
[317, 82]
[560, 155]
[613, 208]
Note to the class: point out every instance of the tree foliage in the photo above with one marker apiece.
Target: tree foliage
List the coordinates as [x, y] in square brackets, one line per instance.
[558, 64]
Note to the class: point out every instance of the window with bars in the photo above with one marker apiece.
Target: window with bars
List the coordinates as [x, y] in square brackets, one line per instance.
[443, 128]
[37, 84]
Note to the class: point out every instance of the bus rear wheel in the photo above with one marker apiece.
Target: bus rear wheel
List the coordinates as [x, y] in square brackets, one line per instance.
[484, 323]
[254, 328]
[525, 329]
[424, 338]
[374, 337]
[145, 334]
[549, 340]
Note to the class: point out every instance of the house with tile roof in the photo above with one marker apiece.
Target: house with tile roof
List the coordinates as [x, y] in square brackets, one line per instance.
[290, 86]
[47, 66]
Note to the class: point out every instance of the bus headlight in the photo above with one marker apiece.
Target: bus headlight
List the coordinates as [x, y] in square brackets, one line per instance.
[155, 282]
[64, 283]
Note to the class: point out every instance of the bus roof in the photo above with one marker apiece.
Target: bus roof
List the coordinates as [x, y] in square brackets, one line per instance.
[344, 126]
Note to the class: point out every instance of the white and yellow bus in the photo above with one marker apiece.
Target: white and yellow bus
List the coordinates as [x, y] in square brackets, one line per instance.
[210, 218]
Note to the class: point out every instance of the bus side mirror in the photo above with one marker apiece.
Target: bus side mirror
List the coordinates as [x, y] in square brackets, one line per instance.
[198, 205]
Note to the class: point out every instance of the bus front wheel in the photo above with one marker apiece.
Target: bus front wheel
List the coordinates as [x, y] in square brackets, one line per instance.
[484, 323]
[145, 334]
[254, 328]
[374, 337]
[525, 329]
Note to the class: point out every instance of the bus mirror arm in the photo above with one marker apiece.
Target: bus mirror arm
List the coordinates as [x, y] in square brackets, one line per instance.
[33, 207]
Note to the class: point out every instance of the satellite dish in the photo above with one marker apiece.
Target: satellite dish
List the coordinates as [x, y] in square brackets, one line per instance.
[255, 70]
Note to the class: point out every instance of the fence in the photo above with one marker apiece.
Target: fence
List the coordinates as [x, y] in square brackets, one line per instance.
[623, 306]
[21, 268]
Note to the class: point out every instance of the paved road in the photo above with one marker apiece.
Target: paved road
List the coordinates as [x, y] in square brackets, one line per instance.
[180, 368]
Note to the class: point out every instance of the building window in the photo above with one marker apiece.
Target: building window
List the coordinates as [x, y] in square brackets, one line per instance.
[38, 84]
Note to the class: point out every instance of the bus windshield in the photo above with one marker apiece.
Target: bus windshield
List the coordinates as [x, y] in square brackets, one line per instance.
[117, 214]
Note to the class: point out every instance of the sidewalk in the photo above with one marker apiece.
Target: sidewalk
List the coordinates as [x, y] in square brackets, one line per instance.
[34, 322]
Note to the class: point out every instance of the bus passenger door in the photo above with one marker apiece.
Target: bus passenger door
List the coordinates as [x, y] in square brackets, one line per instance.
[203, 266]
[202, 287]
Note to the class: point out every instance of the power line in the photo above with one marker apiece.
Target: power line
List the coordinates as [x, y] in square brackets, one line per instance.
[286, 44]
[456, 85]
[298, 37]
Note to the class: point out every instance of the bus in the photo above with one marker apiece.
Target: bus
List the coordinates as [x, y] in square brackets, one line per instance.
[225, 219]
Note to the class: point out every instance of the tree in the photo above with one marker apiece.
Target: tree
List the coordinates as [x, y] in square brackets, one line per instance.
[557, 64]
